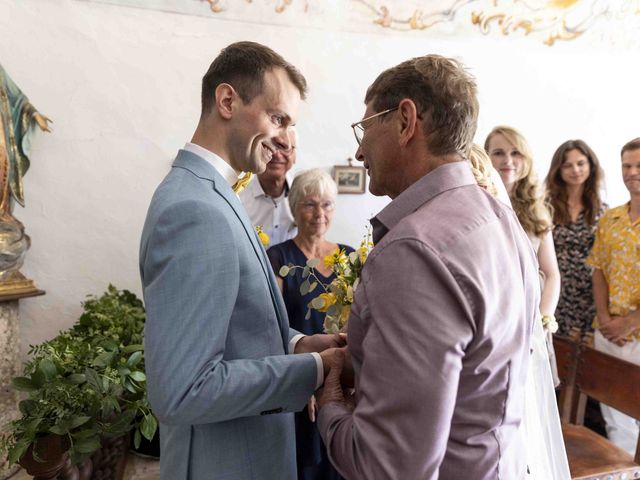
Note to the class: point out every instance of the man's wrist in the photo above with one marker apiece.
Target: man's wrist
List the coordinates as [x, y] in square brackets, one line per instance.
[319, 369]
[294, 346]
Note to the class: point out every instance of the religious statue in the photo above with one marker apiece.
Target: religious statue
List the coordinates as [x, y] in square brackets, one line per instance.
[17, 119]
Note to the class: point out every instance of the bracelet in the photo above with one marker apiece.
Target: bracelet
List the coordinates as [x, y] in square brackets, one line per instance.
[549, 322]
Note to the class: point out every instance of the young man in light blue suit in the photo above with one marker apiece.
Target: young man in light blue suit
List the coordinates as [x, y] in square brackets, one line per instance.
[217, 333]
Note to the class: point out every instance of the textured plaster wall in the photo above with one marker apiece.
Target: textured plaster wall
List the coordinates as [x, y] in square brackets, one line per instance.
[122, 86]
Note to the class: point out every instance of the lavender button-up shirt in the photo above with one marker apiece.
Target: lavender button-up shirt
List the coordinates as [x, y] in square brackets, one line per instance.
[439, 335]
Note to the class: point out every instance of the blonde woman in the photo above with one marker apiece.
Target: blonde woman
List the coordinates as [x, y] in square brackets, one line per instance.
[511, 156]
[546, 455]
[487, 176]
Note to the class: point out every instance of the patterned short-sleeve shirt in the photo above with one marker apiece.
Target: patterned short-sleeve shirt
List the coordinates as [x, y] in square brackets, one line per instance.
[616, 251]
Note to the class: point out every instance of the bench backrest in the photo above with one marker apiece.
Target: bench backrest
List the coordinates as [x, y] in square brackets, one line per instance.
[610, 380]
[566, 349]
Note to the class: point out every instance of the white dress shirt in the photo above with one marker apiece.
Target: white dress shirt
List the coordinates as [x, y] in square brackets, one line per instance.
[218, 163]
[272, 214]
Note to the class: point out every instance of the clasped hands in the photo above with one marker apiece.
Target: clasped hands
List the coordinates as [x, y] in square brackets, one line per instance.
[617, 328]
[338, 370]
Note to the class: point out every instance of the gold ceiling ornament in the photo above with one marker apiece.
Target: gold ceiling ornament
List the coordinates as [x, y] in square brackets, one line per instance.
[554, 19]
[418, 19]
[551, 20]
[614, 22]
[215, 6]
[281, 5]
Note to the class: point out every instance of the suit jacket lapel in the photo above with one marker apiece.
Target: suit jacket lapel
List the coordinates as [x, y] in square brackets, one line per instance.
[202, 169]
[276, 297]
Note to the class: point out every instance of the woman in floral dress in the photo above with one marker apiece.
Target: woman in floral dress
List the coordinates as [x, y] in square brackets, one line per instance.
[573, 190]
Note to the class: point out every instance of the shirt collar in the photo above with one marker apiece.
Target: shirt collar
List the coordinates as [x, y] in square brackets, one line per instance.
[622, 210]
[223, 168]
[445, 177]
[257, 191]
[622, 213]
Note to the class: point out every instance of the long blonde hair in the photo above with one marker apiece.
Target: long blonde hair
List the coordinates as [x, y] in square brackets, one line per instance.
[481, 169]
[526, 199]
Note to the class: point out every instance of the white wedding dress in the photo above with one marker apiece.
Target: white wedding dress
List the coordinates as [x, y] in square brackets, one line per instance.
[545, 452]
[546, 455]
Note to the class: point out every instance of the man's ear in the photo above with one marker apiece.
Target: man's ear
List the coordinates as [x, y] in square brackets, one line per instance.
[408, 115]
[226, 96]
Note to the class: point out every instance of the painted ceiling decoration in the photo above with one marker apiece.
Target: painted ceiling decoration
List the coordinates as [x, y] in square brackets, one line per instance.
[548, 21]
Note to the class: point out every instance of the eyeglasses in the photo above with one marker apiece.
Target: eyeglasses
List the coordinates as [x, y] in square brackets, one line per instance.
[327, 206]
[358, 129]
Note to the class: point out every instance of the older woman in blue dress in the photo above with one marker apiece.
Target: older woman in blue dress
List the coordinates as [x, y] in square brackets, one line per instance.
[312, 199]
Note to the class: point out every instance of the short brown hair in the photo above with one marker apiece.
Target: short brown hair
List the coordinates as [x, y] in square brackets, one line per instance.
[445, 96]
[630, 145]
[243, 65]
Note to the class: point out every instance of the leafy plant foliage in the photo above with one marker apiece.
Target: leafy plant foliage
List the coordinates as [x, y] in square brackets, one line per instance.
[88, 382]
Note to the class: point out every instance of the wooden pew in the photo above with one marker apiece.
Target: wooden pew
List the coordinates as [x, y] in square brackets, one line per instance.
[567, 350]
[613, 382]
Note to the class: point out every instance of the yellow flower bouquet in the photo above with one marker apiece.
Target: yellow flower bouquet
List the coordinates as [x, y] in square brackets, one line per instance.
[336, 298]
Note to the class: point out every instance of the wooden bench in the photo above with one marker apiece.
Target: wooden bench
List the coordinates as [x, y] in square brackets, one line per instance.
[567, 350]
[613, 382]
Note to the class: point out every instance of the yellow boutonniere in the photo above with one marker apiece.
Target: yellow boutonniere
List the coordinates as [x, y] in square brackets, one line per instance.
[264, 238]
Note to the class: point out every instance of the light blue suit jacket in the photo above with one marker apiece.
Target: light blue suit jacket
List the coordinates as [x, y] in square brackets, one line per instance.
[216, 335]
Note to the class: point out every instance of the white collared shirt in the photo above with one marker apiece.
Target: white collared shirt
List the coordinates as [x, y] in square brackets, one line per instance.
[272, 214]
[223, 168]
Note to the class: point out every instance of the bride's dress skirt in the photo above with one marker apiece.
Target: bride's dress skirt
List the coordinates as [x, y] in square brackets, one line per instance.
[546, 455]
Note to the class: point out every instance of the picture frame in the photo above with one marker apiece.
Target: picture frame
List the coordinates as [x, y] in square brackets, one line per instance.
[350, 179]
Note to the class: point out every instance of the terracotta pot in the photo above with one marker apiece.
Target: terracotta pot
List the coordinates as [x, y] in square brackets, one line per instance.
[55, 464]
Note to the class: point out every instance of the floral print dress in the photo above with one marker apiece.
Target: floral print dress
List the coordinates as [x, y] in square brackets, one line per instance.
[573, 243]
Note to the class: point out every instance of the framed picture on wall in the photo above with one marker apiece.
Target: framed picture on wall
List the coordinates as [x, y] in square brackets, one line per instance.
[349, 179]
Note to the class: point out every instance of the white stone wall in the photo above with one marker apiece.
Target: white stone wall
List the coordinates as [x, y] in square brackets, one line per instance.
[122, 86]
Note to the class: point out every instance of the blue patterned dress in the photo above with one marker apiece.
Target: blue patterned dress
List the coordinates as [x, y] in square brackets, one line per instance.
[312, 459]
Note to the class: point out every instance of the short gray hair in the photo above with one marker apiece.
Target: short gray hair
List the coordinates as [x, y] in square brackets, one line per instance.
[445, 95]
[311, 182]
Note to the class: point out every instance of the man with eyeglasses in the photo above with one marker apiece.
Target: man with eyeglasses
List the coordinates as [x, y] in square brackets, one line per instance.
[440, 326]
[265, 198]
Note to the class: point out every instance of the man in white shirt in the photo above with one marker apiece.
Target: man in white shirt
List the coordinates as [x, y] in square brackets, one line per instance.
[266, 197]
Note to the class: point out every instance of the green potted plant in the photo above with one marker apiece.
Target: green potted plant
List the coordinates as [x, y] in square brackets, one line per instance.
[87, 384]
